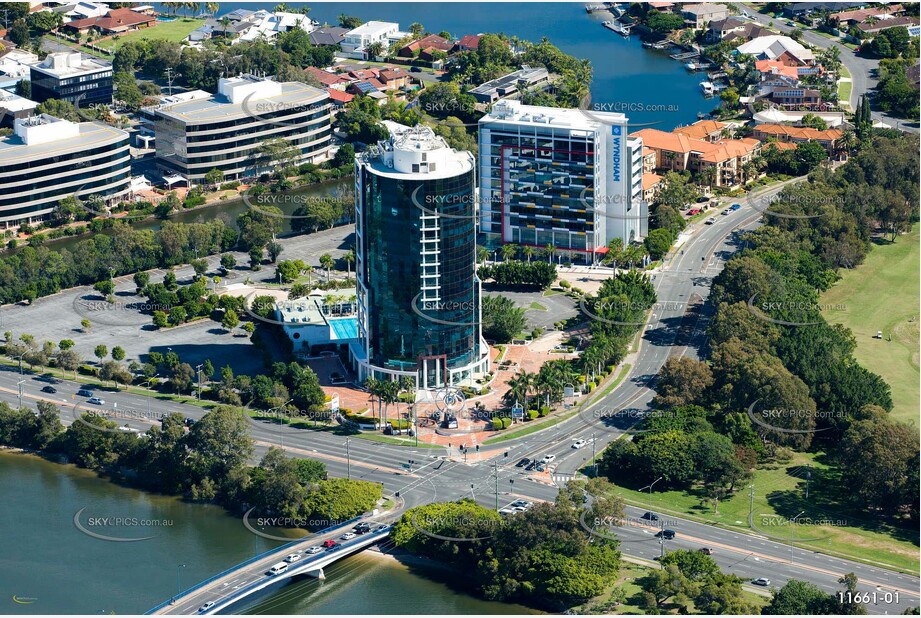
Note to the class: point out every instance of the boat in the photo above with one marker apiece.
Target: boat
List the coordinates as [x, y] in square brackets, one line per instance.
[617, 27]
[697, 66]
[708, 88]
[647, 44]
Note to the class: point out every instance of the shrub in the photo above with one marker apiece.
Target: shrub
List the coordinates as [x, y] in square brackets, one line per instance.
[565, 284]
[544, 411]
[497, 424]
[532, 414]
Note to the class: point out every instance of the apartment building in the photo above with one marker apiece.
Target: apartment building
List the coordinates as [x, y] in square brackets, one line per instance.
[226, 130]
[785, 133]
[47, 159]
[561, 177]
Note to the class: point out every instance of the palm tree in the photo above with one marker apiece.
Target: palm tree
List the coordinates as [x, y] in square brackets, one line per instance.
[528, 251]
[508, 251]
[550, 251]
[349, 260]
[327, 262]
[375, 50]
[482, 254]
[212, 7]
[520, 389]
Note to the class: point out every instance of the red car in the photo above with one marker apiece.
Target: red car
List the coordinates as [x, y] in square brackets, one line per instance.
[329, 543]
[693, 211]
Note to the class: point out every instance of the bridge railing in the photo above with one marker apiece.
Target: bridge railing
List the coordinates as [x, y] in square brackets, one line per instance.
[247, 562]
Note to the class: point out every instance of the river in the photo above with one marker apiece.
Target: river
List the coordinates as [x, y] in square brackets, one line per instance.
[48, 566]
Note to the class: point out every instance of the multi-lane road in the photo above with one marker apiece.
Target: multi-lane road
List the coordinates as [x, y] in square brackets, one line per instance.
[675, 327]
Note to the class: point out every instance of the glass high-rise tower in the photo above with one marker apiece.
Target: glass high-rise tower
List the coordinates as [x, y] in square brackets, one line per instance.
[418, 293]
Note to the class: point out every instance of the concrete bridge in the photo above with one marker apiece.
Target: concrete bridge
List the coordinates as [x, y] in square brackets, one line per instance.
[247, 578]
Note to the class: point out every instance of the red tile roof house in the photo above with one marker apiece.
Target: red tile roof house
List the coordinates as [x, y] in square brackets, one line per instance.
[425, 46]
[785, 133]
[339, 98]
[469, 42]
[115, 22]
[336, 81]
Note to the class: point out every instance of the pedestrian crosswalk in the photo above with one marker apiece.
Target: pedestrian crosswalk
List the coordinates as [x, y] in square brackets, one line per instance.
[561, 479]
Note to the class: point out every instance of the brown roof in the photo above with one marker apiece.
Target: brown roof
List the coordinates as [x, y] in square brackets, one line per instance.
[338, 95]
[799, 132]
[470, 41]
[780, 146]
[391, 74]
[430, 41]
[711, 152]
[650, 180]
[116, 19]
[862, 14]
[701, 128]
[885, 24]
[326, 78]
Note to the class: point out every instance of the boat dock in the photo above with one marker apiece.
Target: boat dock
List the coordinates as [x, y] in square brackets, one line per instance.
[617, 27]
[685, 56]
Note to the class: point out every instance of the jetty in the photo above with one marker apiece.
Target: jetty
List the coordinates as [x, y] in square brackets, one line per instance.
[685, 56]
[617, 27]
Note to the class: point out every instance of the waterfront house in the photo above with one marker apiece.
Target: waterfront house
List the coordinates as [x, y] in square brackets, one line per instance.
[329, 80]
[707, 130]
[356, 41]
[697, 16]
[468, 42]
[116, 21]
[777, 47]
[511, 84]
[425, 47]
[328, 36]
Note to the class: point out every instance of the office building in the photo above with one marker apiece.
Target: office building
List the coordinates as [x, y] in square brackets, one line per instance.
[563, 177]
[225, 131]
[71, 77]
[47, 159]
[418, 293]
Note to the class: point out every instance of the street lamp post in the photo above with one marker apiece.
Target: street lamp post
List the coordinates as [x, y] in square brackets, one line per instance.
[650, 491]
[20, 362]
[178, 581]
[19, 384]
[149, 383]
[198, 369]
[793, 523]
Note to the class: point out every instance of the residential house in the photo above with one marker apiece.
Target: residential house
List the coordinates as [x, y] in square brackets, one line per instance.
[652, 185]
[328, 36]
[697, 16]
[357, 41]
[677, 152]
[662, 7]
[339, 98]
[885, 24]
[777, 47]
[468, 42]
[784, 133]
[719, 29]
[845, 19]
[335, 81]
[425, 47]
[116, 21]
[81, 10]
[511, 84]
[786, 67]
[799, 9]
[796, 97]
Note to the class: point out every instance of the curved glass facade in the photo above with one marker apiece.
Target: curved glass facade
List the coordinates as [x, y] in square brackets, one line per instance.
[417, 258]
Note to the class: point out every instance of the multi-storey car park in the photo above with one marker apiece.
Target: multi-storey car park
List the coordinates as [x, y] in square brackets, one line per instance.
[418, 293]
[47, 159]
[201, 132]
[563, 177]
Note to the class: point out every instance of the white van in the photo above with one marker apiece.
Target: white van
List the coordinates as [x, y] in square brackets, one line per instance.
[278, 568]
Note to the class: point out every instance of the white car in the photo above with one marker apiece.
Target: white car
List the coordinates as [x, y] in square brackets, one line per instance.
[579, 443]
[762, 581]
[316, 549]
[96, 400]
[710, 221]
[548, 458]
[205, 607]
[348, 536]
[290, 558]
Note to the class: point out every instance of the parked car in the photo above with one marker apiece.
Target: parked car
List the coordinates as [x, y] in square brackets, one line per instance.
[523, 463]
[96, 400]
[710, 221]
[49, 389]
[205, 607]
[693, 211]
[336, 378]
[650, 516]
[761, 581]
[292, 558]
[415, 70]
[666, 534]
[579, 443]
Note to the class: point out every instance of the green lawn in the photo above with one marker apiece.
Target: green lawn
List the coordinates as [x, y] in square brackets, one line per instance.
[779, 493]
[165, 30]
[844, 88]
[882, 294]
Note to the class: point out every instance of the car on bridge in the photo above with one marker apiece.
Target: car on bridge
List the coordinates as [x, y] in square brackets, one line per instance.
[348, 536]
[362, 528]
[206, 607]
[328, 543]
[314, 549]
[382, 528]
[277, 569]
[292, 558]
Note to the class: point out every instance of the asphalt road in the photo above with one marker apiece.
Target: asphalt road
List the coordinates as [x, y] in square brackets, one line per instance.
[671, 330]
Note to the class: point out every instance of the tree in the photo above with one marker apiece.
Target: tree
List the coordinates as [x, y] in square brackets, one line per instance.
[214, 178]
[274, 249]
[327, 262]
[101, 351]
[658, 242]
[676, 191]
[694, 565]
[501, 320]
[112, 371]
[228, 261]
[348, 21]
[230, 320]
[182, 377]
[800, 598]
[664, 22]
[19, 33]
[345, 155]
[682, 380]
[660, 585]
[219, 443]
[118, 353]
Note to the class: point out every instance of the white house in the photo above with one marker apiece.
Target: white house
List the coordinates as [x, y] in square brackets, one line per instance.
[357, 41]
